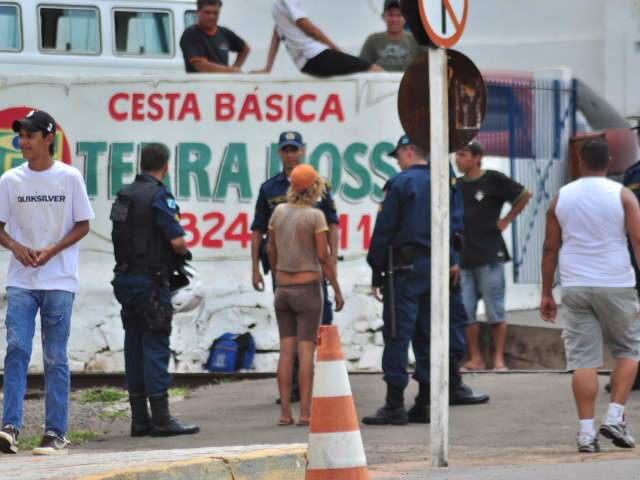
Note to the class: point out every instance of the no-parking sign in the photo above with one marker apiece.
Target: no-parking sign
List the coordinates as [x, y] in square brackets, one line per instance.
[444, 20]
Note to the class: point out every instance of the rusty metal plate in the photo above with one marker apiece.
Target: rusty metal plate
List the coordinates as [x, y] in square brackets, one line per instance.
[467, 101]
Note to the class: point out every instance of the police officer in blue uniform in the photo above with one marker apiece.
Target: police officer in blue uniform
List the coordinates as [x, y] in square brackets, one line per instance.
[273, 192]
[149, 245]
[401, 244]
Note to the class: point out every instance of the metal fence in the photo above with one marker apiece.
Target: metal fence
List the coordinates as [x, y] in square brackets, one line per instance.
[530, 121]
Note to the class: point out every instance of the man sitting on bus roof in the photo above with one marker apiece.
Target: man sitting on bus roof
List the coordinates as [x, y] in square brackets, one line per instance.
[206, 45]
[310, 49]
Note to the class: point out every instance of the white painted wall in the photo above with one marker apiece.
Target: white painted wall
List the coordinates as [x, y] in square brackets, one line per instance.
[599, 40]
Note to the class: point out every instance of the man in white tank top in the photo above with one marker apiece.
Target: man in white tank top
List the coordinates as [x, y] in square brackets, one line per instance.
[587, 227]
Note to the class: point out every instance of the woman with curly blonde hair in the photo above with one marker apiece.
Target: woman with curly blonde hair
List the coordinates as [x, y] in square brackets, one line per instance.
[299, 249]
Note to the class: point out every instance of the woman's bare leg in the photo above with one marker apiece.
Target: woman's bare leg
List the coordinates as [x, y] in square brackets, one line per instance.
[305, 356]
[285, 376]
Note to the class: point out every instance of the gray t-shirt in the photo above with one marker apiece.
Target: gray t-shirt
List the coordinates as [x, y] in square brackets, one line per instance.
[392, 55]
[295, 229]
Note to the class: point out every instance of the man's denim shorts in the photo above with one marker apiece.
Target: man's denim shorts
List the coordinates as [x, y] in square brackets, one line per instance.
[486, 283]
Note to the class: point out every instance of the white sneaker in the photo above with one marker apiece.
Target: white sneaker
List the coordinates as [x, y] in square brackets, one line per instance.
[587, 443]
[618, 432]
[52, 444]
[9, 439]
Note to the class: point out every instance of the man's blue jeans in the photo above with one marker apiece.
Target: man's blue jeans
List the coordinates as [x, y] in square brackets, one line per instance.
[55, 318]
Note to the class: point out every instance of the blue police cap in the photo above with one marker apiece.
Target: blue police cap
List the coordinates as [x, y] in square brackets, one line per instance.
[290, 138]
[403, 142]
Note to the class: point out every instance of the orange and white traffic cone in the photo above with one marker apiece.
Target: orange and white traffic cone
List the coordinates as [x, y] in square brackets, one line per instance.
[335, 450]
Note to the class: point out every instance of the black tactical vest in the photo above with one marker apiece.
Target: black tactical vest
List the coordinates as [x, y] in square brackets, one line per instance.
[138, 243]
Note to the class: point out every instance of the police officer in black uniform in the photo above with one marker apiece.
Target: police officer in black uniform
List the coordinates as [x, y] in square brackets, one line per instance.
[149, 245]
[273, 192]
[401, 244]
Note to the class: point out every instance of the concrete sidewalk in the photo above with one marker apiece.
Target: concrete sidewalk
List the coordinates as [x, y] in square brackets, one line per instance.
[286, 462]
[529, 421]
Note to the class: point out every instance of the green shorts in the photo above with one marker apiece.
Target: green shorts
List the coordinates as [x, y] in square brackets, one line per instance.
[594, 316]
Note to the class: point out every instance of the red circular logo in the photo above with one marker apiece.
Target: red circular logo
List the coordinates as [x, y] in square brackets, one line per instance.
[10, 154]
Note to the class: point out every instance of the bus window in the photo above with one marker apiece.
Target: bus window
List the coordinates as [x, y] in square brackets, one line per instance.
[10, 37]
[190, 18]
[143, 33]
[69, 30]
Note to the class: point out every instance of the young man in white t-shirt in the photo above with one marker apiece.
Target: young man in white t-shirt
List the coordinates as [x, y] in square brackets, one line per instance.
[45, 206]
[310, 49]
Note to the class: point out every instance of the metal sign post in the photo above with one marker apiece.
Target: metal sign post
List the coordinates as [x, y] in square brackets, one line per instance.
[440, 23]
[439, 116]
[444, 22]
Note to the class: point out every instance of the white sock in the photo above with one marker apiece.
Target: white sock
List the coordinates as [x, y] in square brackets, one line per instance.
[587, 427]
[615, 412]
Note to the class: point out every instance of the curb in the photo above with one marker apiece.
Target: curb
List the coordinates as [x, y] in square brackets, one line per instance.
[279, 463]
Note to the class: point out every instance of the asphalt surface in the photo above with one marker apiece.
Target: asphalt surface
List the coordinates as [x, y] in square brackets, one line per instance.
[530, 420]
[618, 470]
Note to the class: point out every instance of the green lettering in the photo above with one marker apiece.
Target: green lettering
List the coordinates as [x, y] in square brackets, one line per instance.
[357, 171]
[381, 168]
[167, 178]
[118, 167]
[274, 162]
[234, 171]
[12, 162]
[91, 151]
[330, 152]
[192, 162]
[16, 162]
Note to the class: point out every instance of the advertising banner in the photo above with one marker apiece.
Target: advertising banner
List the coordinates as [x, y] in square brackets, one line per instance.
[221, 133]
[222, 137]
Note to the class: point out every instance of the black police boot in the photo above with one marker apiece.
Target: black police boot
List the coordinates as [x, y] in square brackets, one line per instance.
[393, 412]
[419, 413]
[162, 423]
[140, 419]
[459, 393]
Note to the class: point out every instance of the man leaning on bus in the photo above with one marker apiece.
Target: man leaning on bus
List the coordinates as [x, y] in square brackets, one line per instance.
[206, 45]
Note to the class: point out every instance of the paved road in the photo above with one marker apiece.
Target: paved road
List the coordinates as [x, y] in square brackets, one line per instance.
[618, 470]
[530, 419]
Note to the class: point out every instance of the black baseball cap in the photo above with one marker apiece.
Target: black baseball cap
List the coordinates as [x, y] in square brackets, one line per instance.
[402, 142]
[36, 121]
[290, 138]
[474, 148]
[390, 4]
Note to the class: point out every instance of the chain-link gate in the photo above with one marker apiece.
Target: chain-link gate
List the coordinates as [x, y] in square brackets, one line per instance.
[530, 121]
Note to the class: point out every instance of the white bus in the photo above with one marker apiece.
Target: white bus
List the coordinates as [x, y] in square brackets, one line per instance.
[94, 36]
